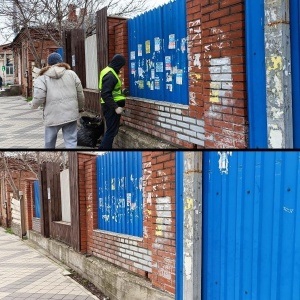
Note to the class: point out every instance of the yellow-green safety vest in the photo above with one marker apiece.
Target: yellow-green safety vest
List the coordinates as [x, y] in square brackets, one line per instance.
[117, 92]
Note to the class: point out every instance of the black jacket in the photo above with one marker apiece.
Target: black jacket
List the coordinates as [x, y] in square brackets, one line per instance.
[109, 82]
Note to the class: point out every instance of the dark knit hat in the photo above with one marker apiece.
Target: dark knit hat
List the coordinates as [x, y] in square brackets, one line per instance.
[117, 62]
[54, 58]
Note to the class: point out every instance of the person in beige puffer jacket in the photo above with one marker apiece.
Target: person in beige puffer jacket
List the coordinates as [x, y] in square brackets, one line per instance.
[59, 91]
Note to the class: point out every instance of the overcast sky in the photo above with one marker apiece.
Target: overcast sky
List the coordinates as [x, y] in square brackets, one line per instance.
[154, 3]
[159, 2]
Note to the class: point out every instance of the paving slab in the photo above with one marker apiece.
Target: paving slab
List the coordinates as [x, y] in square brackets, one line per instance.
[26, 274]
[22, 127]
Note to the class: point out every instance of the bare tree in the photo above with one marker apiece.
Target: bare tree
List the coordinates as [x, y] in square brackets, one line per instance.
[27, 161]
[49, 18]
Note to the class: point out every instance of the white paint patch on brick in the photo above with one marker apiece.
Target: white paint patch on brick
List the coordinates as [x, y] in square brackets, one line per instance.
[141, 257]
[216, 30]
[192, 98]
[187, 128]
[194, 32]
[163, 200]
[149, 198]
[165, 268]
[163, 210]
[221, 79]
[147, 174]
[164, 175]
[197, 62]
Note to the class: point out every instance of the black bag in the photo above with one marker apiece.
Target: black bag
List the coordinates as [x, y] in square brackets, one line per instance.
[90, 131]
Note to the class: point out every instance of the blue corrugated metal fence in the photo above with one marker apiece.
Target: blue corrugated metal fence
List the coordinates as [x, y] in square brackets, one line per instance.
[158, 63]
[295, 45]
[256, 73]
[179, 225]
[251, 229]
[36, 199]
[119, 184]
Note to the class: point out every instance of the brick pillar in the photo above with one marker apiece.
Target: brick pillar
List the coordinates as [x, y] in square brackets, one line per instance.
[28, 197]
[84, 177]
[163, 220]
[91, 202]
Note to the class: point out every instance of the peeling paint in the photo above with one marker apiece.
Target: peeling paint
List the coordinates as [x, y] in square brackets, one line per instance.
[188, 267]
[224, 162]
[275, 63]
[288, 210]
[113, 184]
[158, 231]
[275, 137]
[189, 204]
[106, 217]
[194, 75]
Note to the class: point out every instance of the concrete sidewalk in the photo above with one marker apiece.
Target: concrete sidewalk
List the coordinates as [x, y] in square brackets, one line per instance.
[26, 274]
[21, 126]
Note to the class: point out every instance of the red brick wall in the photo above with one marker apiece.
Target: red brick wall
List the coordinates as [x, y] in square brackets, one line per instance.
[153, 255]
[121, 46]
[217, 70]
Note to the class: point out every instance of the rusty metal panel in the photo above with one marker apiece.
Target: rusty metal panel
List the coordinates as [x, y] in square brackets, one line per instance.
[119, 185]
[102, 38]
[45, 223]
[78, 54]
[67, 47]
[62, 232]
[251, 225]
[92, 101]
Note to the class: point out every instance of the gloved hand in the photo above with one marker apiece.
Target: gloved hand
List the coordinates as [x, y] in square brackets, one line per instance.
[119, 110]
[125, 92]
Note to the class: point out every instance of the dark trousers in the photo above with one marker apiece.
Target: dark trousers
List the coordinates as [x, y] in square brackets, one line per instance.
[112, 121]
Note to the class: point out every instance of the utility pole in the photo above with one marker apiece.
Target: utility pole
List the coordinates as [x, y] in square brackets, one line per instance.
[4, 71]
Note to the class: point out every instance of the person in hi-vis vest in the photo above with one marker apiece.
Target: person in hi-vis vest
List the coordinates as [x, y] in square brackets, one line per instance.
[112, 99]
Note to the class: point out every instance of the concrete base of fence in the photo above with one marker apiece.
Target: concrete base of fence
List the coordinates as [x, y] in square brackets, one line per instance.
[16, 229]
[114, 282]
[130, 138]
